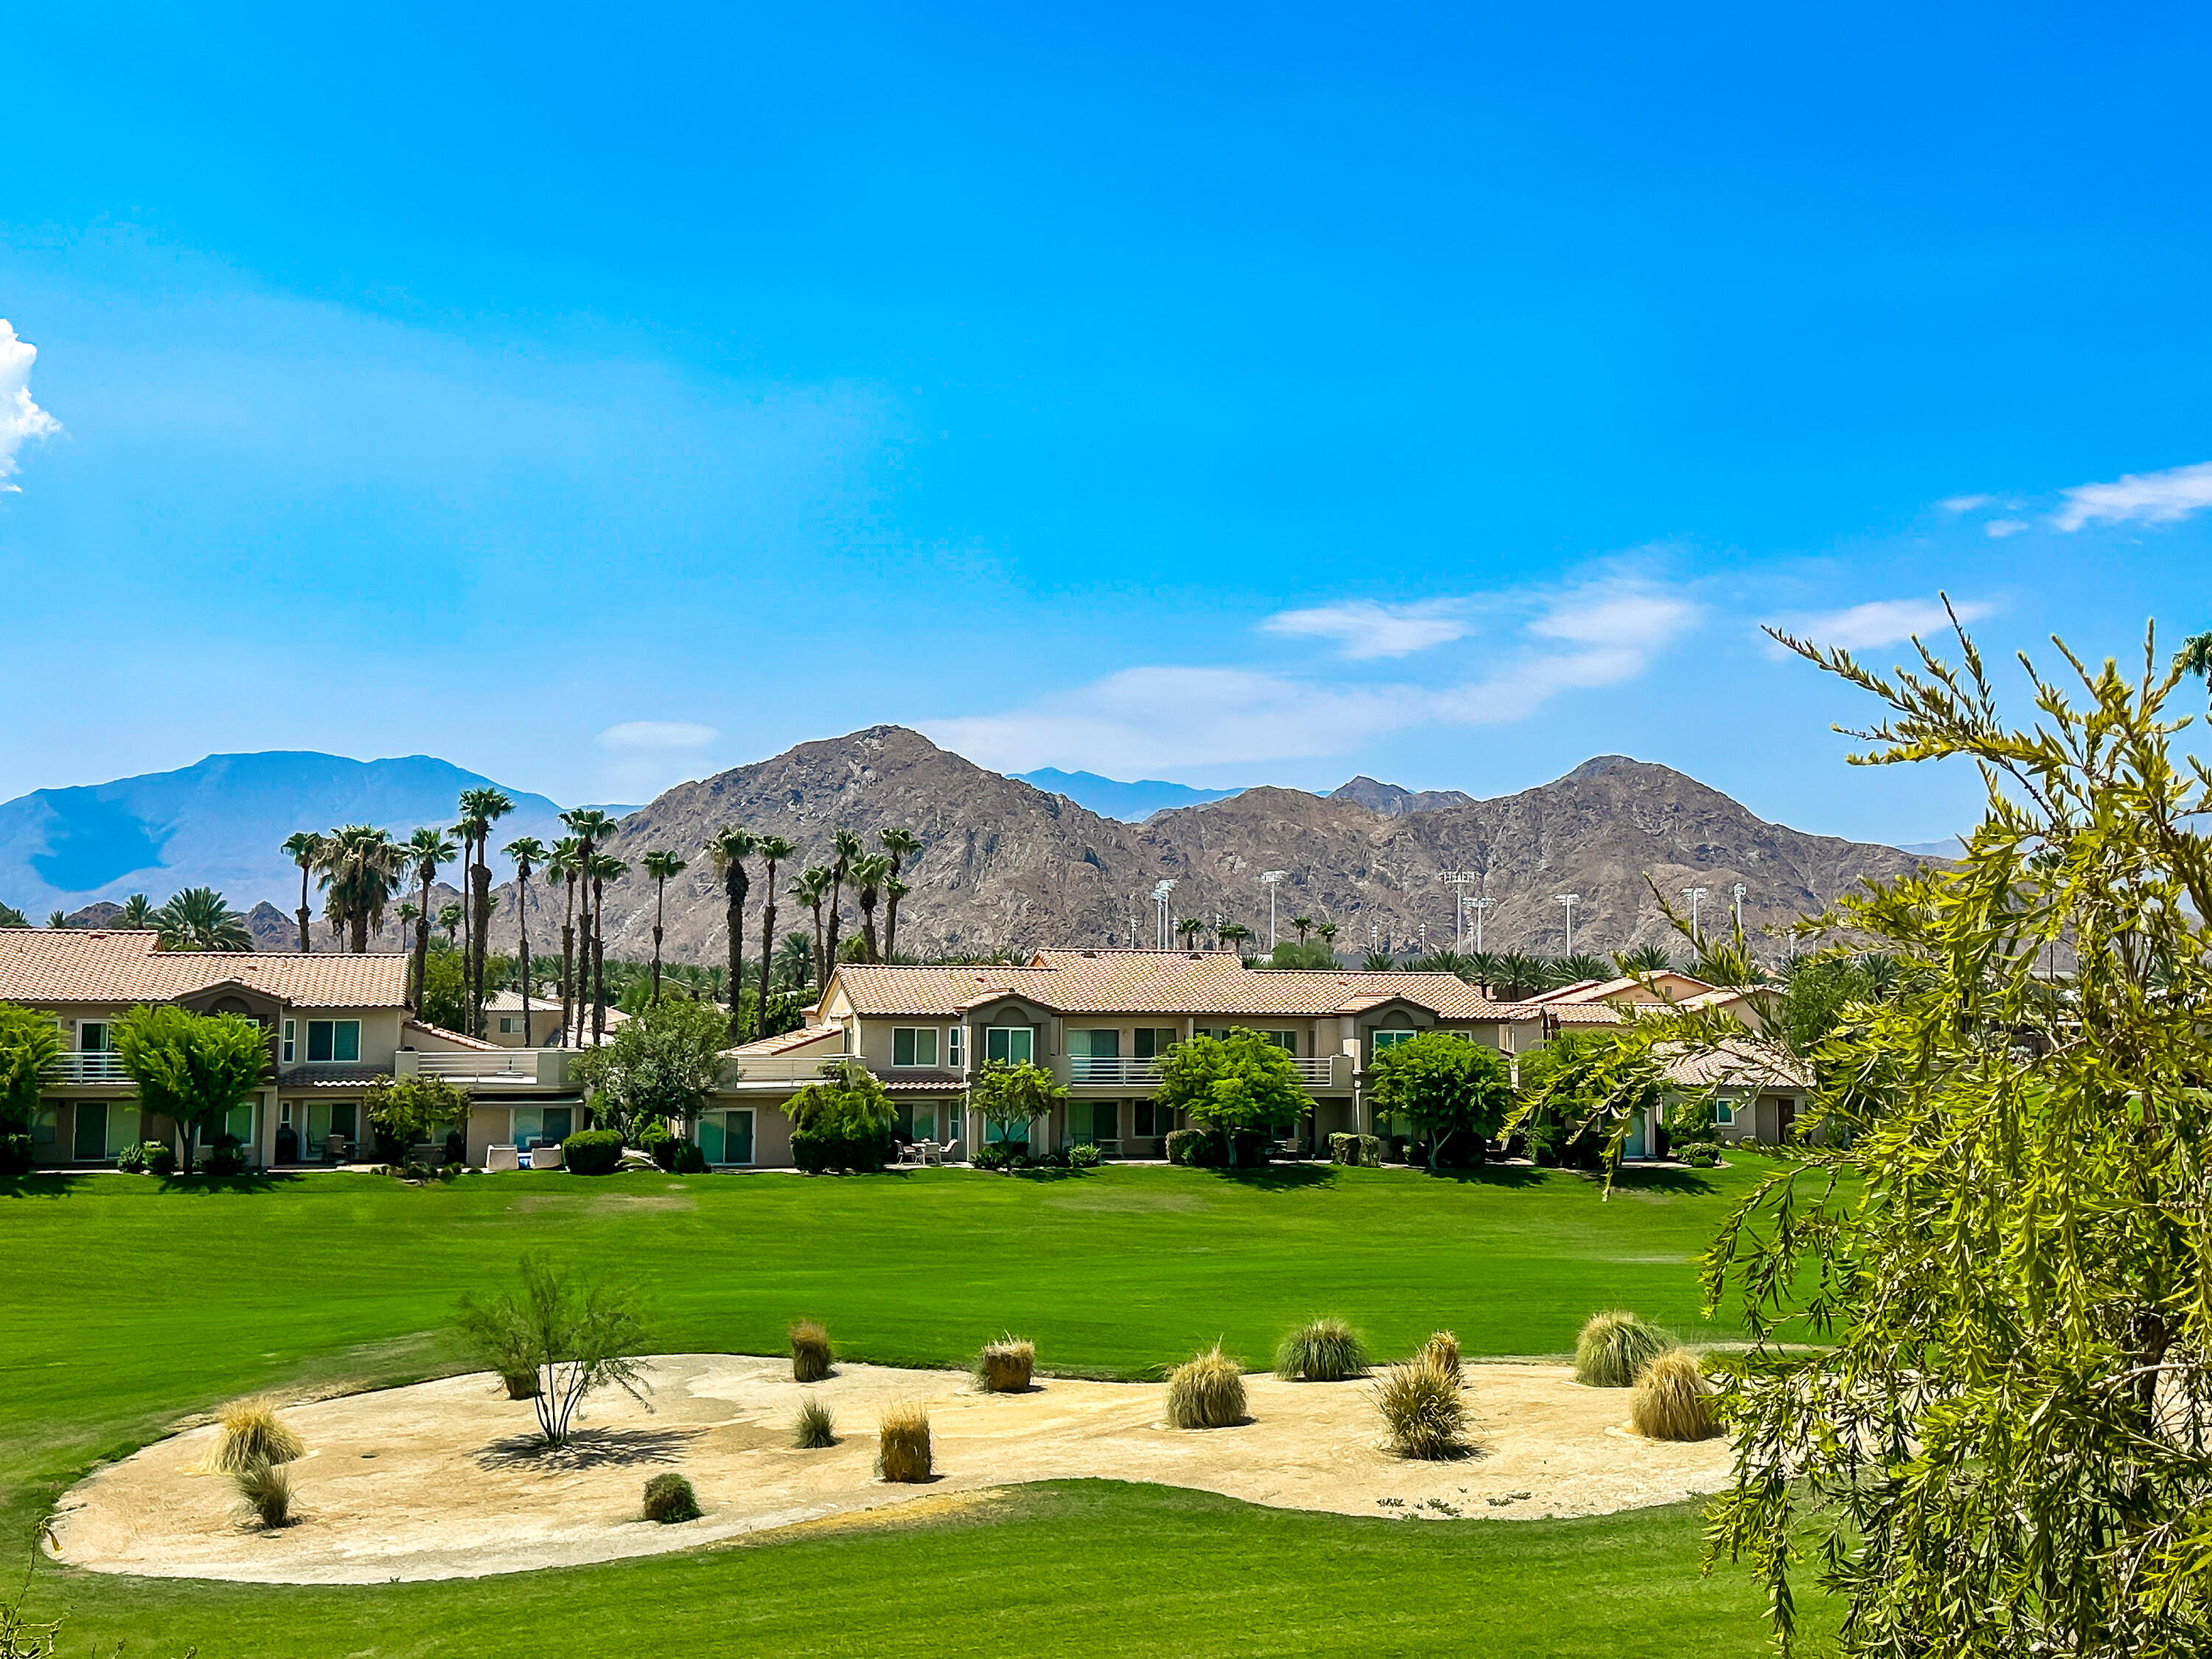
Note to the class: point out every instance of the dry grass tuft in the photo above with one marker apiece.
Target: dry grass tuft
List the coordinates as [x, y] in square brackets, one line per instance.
[1321, 1351]
[810, 1354]
[1672, 1401]
[814, 1428]
[521, 1385]
[253, 1436]
[1006, 1366]
[1442, 1349]
[1207, 1391]
[669, 1499]
[1614, 1347]
[903, 1443]
[1422, 1409]
[268, 1490]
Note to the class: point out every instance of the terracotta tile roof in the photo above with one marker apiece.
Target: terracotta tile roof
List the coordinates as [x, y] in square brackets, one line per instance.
[1745, 1064]
[45, 965]
[1583, 1013]
[455, 1038]
[1155, 982]
[784, 1042]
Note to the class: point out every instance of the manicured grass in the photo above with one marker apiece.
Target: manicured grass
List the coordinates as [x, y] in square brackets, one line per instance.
[131, 1304]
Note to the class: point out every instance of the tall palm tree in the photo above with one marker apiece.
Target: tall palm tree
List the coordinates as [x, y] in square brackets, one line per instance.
[427, 848]
[1234, 935]
[566, 866]
[662, 867]
[449, 918]
[847, 847]
[900, 845]
[810, 888]
[481, 808]
[1188, 929]
[1304, 925]
[869, 874]
[590, 826]
[773, 850]
[198, 919]
[1327, 932]
[137, 914]
[361, 865]
[727, 850]
[2195, 657]
[794, 959]
[606, 867]
[305, 848]
[528, 853]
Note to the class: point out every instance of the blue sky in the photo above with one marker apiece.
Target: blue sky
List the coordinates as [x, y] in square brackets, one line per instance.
[1224, 394]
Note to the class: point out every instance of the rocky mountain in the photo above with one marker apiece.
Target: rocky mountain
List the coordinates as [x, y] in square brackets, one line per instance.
[1006, 865]
[1393, 801]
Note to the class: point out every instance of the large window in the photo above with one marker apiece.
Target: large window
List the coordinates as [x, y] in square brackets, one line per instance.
[1105, 1120]
[91, 1037]
[334, 1041]
[913, 1045]
[726, 1137]
[1386, 1041]
[1010, 1045]
[1095, 1045]
[1286, 1040]
[917, 1120]
[1153, 1041]
[1724, 1113]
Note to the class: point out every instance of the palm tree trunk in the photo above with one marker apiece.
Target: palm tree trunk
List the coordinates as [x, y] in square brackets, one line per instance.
[584, 949]
[836, 925]
[420, 967]
[767, 941]
[304, 911]
[522, 952]
[868, 930]
[480, 882]
[890, 916]
[733, 888]
[599, 960]
[821, 951]
[660, 912]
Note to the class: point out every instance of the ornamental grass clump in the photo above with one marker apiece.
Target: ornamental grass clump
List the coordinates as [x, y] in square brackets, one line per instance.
[814, 1428]
[1006, 1366]
[1321, 1351]
[669, 1499]
[1442, 1349]
[1614, 1347]
[1423, 1410]
[1207, 1391]
[521, 1385]
[267, 1490]
[903, 1443]
[1672, 1401]
[253, 1436]
[809, 1351]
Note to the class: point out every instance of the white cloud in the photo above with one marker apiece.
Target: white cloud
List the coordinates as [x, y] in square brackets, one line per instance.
[1603, 633]
[1364, 629]
[1966, 503]
[21, 419]
[2138, 497]
[2000, 528]
[1879, 621]
[657, 734]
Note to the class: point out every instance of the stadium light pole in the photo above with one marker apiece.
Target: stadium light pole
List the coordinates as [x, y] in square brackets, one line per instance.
[1480, 907]
[1569, 900]
[1457, 880]
[1269, 878]
[1160, 898]
[1696, 896]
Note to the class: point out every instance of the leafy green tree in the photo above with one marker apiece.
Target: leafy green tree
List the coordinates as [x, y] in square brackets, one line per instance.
[1006, 1097]
[794, 961]
[581, 1335]
[659, 1066]
[1240, 1081]
[1314, 956]
[444, 989]
[1445, 1085]
[199, 918]
[191, 1068]
[30, 1042]
[1590, 1086]
[850, 1099]
[416, 1108]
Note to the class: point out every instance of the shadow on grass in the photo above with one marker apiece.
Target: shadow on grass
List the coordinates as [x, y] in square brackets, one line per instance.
[1508, 1176]
[1278, 1177]
[588, 1448]
[1688, 1183]
[253, 1180]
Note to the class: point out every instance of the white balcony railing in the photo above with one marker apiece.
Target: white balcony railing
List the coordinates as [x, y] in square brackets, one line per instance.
[519, 1067]
[771, 1069]
[1097, 1070]
[76, 1065]
[1314, 1073]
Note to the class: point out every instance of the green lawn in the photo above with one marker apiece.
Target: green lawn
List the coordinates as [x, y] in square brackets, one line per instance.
[131, 1304]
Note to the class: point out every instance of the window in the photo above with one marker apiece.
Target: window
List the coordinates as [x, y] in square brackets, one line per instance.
[917, 1120]
[1724, 1113]
[1011, 1045]
[726, 1137]
[549, 1124]
[1143, 1125]
[913, 1045]
[1153, 1041]
[955, 1048]
[1095, 1045]
[91, 1037]
[333, 1041]
[952, 1122]
[287, 1046]
[43, 1132]
[238, 1123]
[1386, 1041]
[1105, 1117]
[506, 1025]
[1286, 1040]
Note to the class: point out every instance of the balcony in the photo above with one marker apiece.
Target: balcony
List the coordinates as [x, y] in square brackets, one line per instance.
[78, 1066]
[1091, 1071]
[791, 1071]
[513, 1068]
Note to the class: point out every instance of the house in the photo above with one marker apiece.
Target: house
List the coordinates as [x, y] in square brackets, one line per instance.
[335, 1023]
[508, 1024]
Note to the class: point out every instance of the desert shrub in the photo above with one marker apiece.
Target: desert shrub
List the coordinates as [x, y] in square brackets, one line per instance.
[592, 1151]
[903, 1443]
[229, 1157]
[250, 1434]
[579, 1334]
[1001, 1155]
[1195, 1149]
[1672, 1401]
[1207, 1391]
[268, 1490]
[810, 1354]
[136, 1160]
[1423, 1410]
[1614, 1347]
[1321, 1351]
[1084, 1156]
[1004, 1367]
[14, 1153]
[1442, 1349]
[669, 1499]
[814, 1428]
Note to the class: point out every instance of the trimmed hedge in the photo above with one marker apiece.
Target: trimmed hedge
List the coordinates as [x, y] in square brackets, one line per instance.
[817, 1151]
[1195, 1149]
[672, 1152]
[592, 1151]
[1364, 1152]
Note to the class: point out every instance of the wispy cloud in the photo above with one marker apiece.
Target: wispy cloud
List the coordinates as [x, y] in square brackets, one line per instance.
[1364, 629]
[1998, 529]
[1879, 621]
[2138, 498]
[657, 734]
[1967, 503]
[21, 419]
[1604, 632]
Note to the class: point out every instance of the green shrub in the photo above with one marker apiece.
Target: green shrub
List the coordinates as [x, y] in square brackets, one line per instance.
[250, 1435]
[1423, 1410]
[672, 1152]
[14, 1154]
[1195, 1149]
[1672, 1401]
[1207, 1391]
[1442, 1349]
[860, 1149]
[1084, 1156]
[810, 1354]
[592, 1151]
[521, 1385]
[669, 1499]
[1006, 1366]
[903, 1450]
[1701, 1155]
[1614, 1347]
[136, 1160]
[227, 1158]
[814, 1428]
[1359, 1151]
[1001, 1155]
[1321, 1351]
[268, 1490]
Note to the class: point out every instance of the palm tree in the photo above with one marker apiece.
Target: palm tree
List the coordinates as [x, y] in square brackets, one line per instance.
[590, 826]
[810, 889]
[137, 914]
[449, 918]
[565, 865]
[2195, 657]
[1519, 976]
[1327, 932]
[901, 845]
[846, 845]
[1377, 962]
[198, 919]
[1304, 925]
[305, 848]
[662, 867]
[57, 919]
[727, 850]
[794, 959]
[1233, 936]
[481, 808]
[528, 853]
[361, 865]
[869, 875]
[606, 867]
[1189, 928]
[1644, 959]
[427, 848]
[773, 850]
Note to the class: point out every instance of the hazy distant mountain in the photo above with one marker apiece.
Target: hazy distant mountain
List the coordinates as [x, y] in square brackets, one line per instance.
[1131, 803]
[1392, 801]
[219, 825]
[1949, 848]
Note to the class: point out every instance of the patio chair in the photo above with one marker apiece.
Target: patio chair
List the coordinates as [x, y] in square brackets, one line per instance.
[502, 1157]
[337, 1150]
[949, 1151]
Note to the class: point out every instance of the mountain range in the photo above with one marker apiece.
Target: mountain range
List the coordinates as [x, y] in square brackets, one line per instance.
[1132, 802]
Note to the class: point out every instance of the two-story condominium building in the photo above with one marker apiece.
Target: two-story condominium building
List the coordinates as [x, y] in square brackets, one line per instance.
[335, 1023]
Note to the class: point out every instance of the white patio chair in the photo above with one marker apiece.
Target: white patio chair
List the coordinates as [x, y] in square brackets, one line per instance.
[949, 1151]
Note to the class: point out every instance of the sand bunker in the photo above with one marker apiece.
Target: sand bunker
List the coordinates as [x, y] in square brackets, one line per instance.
[441, 1480]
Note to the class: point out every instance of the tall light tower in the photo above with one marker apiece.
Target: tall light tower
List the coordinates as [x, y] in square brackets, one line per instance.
[1736, 893]
[1696, 896]
[1569, 900]
[1269, 878]
[1459, 881]
[1160, 898]
[1480, 907]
